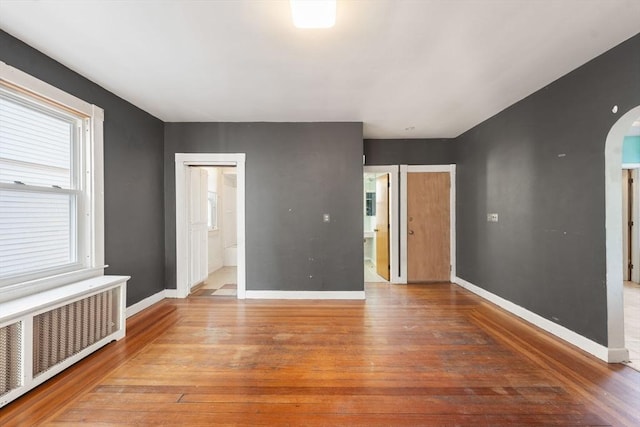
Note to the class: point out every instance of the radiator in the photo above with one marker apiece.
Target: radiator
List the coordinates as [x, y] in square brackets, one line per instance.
[50, 331]
[11, 353]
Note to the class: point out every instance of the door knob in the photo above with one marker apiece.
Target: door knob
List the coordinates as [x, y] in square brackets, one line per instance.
[410, 231]
[375, 229]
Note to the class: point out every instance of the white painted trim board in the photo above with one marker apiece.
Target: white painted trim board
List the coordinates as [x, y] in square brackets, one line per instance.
[146, 303]
[324, 295]
[610, 355]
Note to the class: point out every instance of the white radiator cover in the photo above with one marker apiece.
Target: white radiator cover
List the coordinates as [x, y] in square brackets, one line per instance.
[43, 334]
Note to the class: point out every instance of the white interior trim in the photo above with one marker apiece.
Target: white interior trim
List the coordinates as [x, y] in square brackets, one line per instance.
[394, 213]
[18, 78]
[635, 242]
[171, 293]
[145, 303]
[96, 157]
[613, 226]
[184, 160]
[452, 219]
[90, 229]
[349, 295]
[631, 166]
[404, 170]
[403, 223]
[428, 168]
[601, 352]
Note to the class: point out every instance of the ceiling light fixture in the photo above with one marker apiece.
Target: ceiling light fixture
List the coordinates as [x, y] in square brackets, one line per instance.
[313, 13]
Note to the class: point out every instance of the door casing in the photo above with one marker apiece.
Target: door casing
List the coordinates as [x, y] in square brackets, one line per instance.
[404, 169]
[183, 161]
[394, 219]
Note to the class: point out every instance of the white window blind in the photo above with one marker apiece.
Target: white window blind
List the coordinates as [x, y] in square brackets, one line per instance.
[39, 188]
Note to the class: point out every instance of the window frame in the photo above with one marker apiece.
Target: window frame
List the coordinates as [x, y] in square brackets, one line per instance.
[89, 180]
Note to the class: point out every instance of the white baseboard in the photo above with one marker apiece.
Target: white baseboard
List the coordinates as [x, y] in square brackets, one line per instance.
[598, 350]
[171, 293]
[618, 355]
[145, 303]
[353, 295]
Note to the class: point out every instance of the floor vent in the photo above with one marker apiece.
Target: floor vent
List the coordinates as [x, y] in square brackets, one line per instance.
[43, 334]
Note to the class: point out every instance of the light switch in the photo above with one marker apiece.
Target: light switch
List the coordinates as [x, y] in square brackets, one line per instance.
[492, 217]
[326, 218]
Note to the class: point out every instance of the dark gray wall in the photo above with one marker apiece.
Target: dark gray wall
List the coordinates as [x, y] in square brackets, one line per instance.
[540, 165]
[134, 220]
[408, 152]
[295, 172]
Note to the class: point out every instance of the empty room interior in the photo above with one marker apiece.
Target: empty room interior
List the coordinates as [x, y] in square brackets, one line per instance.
[385, 212]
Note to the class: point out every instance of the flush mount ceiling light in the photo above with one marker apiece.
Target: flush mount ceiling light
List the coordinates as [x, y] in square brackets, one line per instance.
[313, 13]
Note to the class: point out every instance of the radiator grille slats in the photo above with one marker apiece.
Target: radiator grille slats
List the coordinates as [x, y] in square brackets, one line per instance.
[60, 333]
[10, 357]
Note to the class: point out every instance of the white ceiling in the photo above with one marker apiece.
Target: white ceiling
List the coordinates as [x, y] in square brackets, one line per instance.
[407, 69]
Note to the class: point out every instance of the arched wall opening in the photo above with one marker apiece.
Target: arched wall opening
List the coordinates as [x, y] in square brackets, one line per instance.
[613, 225]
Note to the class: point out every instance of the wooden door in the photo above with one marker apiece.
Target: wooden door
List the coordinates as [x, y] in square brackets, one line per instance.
[383, 267]
[428, 228]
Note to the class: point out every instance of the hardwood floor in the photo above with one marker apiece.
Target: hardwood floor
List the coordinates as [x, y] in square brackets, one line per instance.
[408, 355]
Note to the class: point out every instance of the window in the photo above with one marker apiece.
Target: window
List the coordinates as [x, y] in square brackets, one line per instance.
[50, 185]
[371, 204]
[212, 198]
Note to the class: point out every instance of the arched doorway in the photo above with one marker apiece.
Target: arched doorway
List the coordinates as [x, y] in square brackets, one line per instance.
[613, 225]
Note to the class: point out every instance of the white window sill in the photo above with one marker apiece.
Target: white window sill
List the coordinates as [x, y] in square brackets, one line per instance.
[19, 306]
[23, 289]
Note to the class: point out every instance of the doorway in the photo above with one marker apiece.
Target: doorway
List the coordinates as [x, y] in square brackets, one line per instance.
[381, 226]
[631, 240]
[377, 248]
[194, 211]
[216, 203]
[616, 350]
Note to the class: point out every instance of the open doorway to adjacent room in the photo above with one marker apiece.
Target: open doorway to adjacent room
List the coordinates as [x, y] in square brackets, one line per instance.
[380, 227]
[631, 241]
[377, 263]
[212, 231]
[210, 224]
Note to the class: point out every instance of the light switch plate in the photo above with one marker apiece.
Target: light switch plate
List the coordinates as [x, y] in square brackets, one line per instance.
[492, 217]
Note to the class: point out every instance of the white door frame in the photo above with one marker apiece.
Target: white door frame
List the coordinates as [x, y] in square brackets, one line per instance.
[634, 168]
[616, 351]
[392, 170]
[183, 161]
[404, 169]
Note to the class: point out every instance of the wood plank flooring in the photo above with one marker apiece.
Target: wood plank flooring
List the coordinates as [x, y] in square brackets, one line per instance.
[408, 355]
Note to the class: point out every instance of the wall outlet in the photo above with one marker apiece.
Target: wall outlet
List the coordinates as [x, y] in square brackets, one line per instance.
[492, 217]
[326, 218]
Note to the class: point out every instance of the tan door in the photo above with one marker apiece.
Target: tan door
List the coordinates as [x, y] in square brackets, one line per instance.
[428, 244]
[382, 226]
